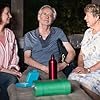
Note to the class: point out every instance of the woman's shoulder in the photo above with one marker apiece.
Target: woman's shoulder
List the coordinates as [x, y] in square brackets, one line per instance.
[8, 30]
[89, 30]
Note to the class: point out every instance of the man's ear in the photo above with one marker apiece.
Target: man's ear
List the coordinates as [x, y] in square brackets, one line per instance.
[38, 17]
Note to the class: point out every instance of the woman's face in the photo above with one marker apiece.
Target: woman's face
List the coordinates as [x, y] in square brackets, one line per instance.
[5, 16]
[90, 19]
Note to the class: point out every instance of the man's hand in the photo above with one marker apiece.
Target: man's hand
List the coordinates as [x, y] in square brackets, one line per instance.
[61, 66]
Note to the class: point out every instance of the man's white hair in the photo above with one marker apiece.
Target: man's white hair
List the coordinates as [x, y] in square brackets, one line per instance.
[47, 6]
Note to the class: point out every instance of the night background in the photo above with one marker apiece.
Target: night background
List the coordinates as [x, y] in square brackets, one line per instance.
[70, 14]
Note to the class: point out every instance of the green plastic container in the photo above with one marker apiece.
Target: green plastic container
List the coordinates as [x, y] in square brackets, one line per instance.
[52, 87]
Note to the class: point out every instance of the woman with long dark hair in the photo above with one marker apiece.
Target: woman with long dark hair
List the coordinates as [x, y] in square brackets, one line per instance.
[9, 69]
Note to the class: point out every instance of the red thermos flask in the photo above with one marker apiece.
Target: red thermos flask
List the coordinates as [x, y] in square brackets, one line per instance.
[52, 68]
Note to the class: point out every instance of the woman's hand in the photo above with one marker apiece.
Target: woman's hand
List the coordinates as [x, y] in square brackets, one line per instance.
[15, 72]
[80, 70]
[12, 71]
[14, 67]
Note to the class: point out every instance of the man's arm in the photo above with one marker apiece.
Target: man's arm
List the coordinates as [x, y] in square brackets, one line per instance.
[71, 52]
[70, 56]
[28, 60]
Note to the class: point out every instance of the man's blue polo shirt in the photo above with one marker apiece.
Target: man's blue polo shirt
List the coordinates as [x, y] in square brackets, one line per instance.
[43, 49]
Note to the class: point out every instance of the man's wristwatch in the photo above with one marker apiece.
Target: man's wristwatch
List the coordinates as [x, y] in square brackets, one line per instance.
[88, 69]
[66, 62]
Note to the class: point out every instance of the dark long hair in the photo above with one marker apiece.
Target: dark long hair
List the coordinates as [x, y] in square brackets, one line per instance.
[2, 6]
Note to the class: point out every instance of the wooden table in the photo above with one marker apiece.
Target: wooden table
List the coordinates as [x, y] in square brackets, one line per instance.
[28, 94]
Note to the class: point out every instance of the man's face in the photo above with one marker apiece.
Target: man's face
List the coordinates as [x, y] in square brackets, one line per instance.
[46, 16]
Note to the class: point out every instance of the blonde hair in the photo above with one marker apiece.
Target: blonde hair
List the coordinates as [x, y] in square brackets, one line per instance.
[47, 6]
[93, 8]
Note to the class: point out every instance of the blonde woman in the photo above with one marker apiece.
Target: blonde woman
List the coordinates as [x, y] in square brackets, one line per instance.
[88, 70]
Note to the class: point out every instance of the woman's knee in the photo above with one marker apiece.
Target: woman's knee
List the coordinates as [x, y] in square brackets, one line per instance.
[12, 79]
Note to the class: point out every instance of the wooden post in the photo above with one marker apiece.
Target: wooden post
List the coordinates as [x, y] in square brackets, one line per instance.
[17, 14]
